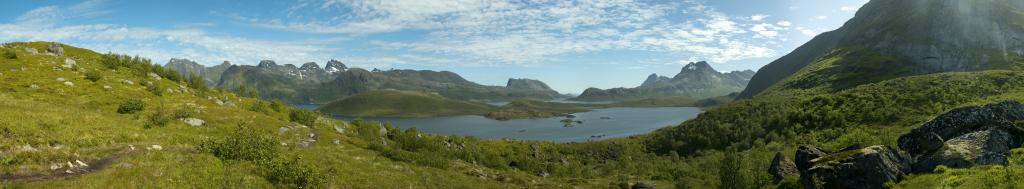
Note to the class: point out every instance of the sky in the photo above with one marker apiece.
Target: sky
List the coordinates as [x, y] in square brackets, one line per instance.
[570, 45]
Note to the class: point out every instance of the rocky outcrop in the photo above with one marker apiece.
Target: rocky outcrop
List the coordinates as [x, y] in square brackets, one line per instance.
[869, 167]
[782, 167]
[966, 136]
[55, 48]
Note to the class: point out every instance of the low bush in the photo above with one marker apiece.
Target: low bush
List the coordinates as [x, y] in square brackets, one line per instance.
[155, 89]
[292, 173]
[159, 118]
[93, 76]
[10, 54]
[131, 106]
[243, 144]
[304, 117]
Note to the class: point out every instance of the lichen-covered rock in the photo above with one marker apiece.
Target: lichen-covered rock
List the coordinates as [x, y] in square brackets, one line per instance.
[869, 167]
[967, 136]
[782, 167]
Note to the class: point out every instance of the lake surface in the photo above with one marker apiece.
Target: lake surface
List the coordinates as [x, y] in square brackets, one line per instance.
[623, 122]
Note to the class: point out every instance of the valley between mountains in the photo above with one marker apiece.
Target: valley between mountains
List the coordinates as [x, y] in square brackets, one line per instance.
[907, 94]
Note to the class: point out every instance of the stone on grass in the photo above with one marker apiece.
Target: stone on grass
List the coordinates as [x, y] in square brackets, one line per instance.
[195, 122]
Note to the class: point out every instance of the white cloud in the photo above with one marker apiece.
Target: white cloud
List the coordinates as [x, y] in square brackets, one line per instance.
[42, 24]
[758, 17]
[821, 17]
[808, 32]
[535, 32]
[848, 8]
[784, 23]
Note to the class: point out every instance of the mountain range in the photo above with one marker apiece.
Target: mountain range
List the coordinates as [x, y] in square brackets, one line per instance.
[311, 83]
[696, 80]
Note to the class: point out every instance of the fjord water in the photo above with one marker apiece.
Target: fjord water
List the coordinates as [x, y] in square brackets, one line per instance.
[623, 122]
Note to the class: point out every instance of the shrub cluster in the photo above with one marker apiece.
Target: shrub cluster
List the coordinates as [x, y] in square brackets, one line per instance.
[10, 54]
[248, 145]
[93, 76]
[131, 106]
[304, 117]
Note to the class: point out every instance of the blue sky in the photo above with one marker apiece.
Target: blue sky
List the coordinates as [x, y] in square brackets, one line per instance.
[571, 45]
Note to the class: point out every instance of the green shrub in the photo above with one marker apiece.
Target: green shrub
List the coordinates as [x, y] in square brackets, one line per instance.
[196, 82]
[243, 144]
[292, 173]
[93, 76]
[304, 117]
[131, 106]
[10, 54]
[155, 89]
[159, 118]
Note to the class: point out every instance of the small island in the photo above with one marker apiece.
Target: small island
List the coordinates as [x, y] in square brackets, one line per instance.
[525, 109]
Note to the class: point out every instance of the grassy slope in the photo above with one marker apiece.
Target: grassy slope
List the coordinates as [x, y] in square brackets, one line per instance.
[521, 109]
[80, 123]
[401, 104]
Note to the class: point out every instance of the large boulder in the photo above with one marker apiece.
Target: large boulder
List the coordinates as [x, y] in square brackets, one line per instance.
[56, 49]
[782, 167]
[967, 136]
[869, 167]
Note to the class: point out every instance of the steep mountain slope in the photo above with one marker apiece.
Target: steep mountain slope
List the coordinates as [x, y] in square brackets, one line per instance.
[889, 39]
[696, 80]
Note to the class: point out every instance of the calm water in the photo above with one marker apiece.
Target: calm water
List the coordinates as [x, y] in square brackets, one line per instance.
[624, 122]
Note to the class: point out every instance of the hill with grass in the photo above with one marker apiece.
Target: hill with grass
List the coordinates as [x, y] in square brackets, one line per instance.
[392, 103]
[74, 118]
[697, 80]
[524, 109]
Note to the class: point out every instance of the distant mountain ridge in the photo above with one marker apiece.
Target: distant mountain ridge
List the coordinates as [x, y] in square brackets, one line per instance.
[695, 80]
[311, 83]
[888, 39]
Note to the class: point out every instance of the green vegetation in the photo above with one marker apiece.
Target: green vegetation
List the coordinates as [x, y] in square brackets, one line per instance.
[93, 76]
[391, 103]
[10, 54]
[523, 108]
[131, 106]
[674, 101]
[304, 117]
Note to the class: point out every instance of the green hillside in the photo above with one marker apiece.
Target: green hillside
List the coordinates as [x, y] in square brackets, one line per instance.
[523, 108]
[48, 127]
[393, 103]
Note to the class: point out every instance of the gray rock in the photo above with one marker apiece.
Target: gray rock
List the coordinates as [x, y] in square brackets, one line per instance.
[32, 51]
[967, 136]
[195, 122]
[61, 79]
[56, 49]
[781, 167]
[33, 86]
[128, 82]
[69, 63]
[69, 84]
[869, 167]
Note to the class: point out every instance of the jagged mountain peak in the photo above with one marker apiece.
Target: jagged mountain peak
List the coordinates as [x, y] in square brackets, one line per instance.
[267, 64]
[334, 66]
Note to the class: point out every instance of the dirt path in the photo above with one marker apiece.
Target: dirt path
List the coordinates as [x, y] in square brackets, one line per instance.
[95, 165]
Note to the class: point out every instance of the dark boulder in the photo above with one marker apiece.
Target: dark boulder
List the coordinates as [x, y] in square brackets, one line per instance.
[869, 167]
[805, 154]
[967, 136]
[640, 185]
[782, 167]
